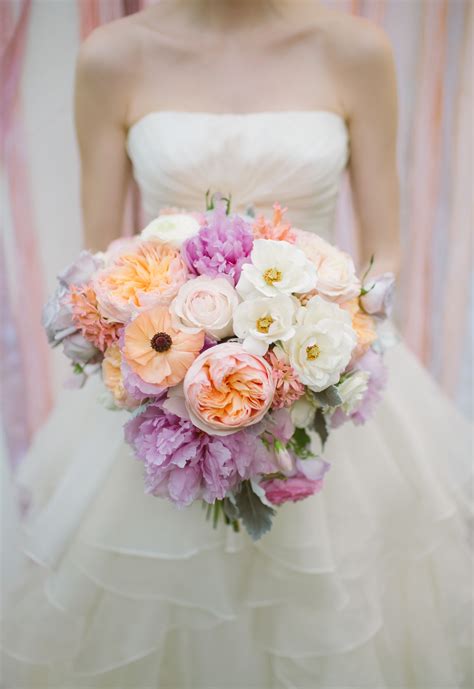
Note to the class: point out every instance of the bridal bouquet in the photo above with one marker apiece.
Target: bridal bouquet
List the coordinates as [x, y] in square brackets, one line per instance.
[236, 345]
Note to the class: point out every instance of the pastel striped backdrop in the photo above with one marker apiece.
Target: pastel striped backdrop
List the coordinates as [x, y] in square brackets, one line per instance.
[40, 205]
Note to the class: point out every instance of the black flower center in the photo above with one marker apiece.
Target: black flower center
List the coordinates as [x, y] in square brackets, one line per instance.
[161, 342]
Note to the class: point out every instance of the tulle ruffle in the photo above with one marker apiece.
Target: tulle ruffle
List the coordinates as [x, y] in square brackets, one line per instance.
[364, 585]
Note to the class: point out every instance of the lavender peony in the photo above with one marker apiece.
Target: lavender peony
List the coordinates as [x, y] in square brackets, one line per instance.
[221, 247]
[184, 464]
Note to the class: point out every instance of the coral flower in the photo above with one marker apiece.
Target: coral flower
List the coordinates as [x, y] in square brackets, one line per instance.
[288, 386]
[364, 326]
[138, 279]
[87, 317]
[275, 229]
[158, 352]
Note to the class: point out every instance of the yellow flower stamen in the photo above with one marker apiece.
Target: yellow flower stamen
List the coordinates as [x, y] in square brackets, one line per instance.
[312, 352]
[263, 324]
[272, 275]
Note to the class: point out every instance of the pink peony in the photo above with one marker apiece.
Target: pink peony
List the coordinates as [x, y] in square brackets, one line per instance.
[185, 464]
[226, 389]
[221, 247]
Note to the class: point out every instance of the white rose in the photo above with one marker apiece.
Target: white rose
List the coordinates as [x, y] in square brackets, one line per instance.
[322, 346]
[56, 316]
[352, 389]
[172, 229]
[380, 292]
[207, 304]
[302, 412]
[259, 322]
[337, 279]
[276, 268]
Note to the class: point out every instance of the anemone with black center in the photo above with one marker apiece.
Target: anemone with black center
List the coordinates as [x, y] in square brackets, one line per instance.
[161, 342]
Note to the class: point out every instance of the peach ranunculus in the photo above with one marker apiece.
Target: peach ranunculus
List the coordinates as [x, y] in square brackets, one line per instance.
[336, 280]
[364, 326]
[156, 350]
[113, 378]
[136, 280]
[227, 388]
[275, 229]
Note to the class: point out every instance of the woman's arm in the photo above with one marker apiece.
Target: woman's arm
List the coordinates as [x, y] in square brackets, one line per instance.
[372, 114]
[101, 115]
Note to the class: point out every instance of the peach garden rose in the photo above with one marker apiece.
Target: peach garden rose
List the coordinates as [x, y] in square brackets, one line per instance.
[149, 273]
[227, 389]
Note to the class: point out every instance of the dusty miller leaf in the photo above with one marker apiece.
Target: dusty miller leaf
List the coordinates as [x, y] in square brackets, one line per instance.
[231, 510]
[256, 517]
[329, 397]
[320, 426]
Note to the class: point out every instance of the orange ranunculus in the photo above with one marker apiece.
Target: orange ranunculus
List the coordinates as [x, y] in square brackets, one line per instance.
[227, 389]
[138, 279]
[157, 351]
[364, 326]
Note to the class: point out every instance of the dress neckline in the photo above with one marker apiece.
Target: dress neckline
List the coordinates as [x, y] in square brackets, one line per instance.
[153, 114]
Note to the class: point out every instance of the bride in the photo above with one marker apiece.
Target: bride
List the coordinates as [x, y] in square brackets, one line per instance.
[366, 585]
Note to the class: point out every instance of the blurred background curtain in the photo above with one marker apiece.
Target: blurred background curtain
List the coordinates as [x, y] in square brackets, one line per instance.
[41, 221]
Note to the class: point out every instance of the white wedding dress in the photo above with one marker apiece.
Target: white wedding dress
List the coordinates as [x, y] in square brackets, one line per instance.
[366, 585]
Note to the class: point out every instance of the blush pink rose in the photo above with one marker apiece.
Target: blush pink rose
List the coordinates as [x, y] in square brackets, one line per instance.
[290, 489]
[226, 389]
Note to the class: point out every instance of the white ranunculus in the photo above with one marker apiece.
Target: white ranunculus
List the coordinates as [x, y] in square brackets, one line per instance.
[259, 322]
[276, 267]
[379, 297]
[302, 412]
[172, 229]
[206, 303]
[352, 389]
[337, 279]
[322, 346]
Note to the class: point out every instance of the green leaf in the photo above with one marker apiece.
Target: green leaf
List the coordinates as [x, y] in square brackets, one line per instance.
[329, 397]
[299, 443]
[320, 426]
[256, 516]
[371, 263]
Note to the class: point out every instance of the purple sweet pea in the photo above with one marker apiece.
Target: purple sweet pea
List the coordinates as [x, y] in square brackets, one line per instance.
[372, 362]
[379, 297]
[221, 247]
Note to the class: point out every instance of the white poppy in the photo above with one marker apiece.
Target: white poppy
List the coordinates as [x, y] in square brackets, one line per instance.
[259, 322]
[322, 346]
[277, 267]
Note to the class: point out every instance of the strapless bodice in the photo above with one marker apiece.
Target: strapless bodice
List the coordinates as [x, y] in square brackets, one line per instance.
[296, 158]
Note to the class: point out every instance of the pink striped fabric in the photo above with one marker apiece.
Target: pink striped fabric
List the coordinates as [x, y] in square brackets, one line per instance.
[24, 352]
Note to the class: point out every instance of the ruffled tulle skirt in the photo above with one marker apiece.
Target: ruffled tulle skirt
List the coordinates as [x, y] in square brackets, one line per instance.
[366, 585]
